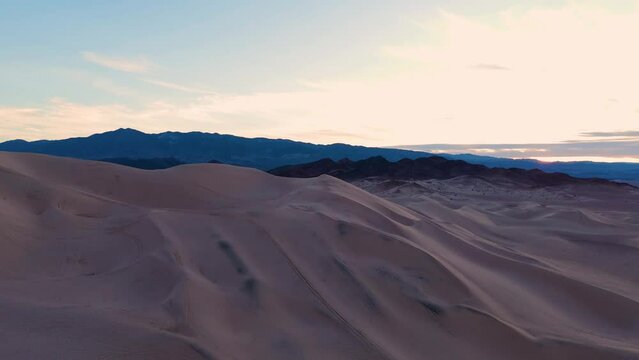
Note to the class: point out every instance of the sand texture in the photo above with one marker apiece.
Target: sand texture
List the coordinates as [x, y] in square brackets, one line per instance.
[101, 261]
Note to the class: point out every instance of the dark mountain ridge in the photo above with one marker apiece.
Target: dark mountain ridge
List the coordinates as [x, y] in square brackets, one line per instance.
[131, 147]
[151, 163]
[425, 168]
[199, 147]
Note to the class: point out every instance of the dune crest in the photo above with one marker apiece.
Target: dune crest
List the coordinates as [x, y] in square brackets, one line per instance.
[219, 262]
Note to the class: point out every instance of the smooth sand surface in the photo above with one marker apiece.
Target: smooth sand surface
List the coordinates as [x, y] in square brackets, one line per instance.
[100, 261]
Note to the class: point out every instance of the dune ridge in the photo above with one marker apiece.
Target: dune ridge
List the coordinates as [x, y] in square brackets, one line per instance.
[219, 262]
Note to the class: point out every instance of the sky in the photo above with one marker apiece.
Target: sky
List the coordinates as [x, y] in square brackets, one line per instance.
[545, 79]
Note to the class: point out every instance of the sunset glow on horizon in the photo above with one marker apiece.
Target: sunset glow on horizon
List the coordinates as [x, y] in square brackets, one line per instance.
[545, 80]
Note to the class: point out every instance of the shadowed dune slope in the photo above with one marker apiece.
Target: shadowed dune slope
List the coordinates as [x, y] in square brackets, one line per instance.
[101, 261]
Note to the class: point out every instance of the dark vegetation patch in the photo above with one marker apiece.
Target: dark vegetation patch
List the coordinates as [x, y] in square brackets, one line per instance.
[202, 352]
[431, 167]
[237, 263]
[146, 164]
[432, 307]
[342, 228]
[250, 286]
[368, 297]
[411, 290]
[472, 310]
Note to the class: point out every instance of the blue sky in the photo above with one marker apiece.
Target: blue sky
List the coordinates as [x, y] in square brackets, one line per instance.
[369, 72]
[233, 46]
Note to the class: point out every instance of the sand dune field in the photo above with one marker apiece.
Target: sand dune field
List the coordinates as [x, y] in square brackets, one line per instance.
[101, 261]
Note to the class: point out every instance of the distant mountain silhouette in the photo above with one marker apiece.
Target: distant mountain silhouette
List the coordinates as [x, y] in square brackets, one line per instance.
[585, 169]
[265, 154]
[198, 147]
[433, 167]
[146, 164]
[150, 164]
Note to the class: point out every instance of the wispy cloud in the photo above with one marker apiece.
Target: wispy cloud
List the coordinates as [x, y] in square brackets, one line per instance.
[250, 115]
[328, 135]
[111, 87]
[281, 114]
[131, 65]
[604, 134]
[484, 66]
[602, 150]
[177, 87]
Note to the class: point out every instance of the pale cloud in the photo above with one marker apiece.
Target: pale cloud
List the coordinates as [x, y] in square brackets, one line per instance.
[498, 149]
[131, 65]
[623, 134]
[61, 118]
[595, 150]
[178, 87]
[329, 136]
[588, 158]
[259, 114]
[114, 88]
[489, 67]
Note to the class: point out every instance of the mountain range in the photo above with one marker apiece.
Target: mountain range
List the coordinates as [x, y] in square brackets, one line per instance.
[426, 168]
[131, 147]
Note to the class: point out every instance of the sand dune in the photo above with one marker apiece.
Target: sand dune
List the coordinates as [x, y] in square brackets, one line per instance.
[101, 261]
